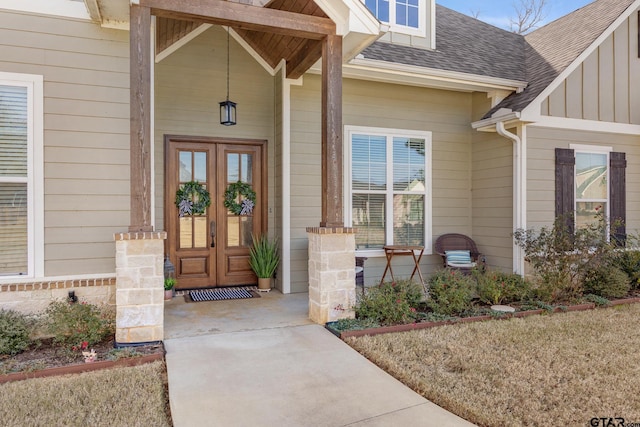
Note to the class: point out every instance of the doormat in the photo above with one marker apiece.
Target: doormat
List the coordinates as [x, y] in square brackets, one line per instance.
[221, 294]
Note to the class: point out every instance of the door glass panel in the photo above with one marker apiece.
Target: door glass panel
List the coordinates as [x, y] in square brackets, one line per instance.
[233, 167]
[246, 230]
[200, 232]
[186, 232]
[200, 167]
[233, 231]
[185, 166]
[247, 170]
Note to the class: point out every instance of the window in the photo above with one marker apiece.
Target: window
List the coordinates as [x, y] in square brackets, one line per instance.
[590, 180]
[389, 190]
[592, 188]
[20, 145]
[403, 15]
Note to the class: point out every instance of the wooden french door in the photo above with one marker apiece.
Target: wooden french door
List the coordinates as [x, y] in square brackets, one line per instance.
[212, 249]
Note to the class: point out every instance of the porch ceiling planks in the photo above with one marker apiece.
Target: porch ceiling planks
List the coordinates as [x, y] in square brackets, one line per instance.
[283, 29]
[170, 31]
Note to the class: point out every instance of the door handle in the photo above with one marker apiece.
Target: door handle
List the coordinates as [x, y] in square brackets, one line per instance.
[212, 231]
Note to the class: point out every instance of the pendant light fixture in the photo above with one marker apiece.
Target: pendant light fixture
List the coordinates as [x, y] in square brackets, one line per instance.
[228, 108]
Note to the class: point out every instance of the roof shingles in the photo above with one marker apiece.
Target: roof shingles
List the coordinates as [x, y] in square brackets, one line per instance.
[467, 45]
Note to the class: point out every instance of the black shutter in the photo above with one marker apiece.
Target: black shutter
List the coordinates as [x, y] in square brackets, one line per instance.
[565, 188]
[618, 195]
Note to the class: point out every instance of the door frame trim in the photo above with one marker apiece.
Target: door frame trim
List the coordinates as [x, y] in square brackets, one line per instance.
[168, 201]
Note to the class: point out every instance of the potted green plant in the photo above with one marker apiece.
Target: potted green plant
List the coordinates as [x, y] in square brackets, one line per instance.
[169, 283]
[264, 259]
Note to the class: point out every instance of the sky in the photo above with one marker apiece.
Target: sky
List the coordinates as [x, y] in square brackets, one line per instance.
[498, 12]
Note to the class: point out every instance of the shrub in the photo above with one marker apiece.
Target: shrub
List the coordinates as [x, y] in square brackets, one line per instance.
[629, 262]
[560, 257]
[496, 287]
[608, 282]
[450, 292]
[15, 332]
[72, 324]
[390, 303]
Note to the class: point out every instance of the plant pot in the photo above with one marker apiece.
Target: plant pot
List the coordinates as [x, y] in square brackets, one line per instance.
[264, 283]
[168, 294]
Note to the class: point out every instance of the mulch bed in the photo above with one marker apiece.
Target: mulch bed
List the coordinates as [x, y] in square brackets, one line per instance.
[45, 359]
[425, 325]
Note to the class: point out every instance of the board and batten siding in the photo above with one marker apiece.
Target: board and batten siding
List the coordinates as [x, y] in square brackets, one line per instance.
[189, 85]
[86, 133]
[444, 113]
[492, 189]
[541, 145]
[606, 86]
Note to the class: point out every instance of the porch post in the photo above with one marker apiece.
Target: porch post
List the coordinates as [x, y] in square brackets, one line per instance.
[140, 118]
[139, 253]
[332, 215]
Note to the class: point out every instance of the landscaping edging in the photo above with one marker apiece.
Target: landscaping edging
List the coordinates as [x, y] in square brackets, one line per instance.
[82, 367]
[425, 325]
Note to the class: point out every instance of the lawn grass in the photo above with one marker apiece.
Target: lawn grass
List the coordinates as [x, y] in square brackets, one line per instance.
[561, 369]
[134, 396]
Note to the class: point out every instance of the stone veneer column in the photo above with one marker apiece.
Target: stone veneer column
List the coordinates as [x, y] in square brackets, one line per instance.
[139, 287]
[332, 276]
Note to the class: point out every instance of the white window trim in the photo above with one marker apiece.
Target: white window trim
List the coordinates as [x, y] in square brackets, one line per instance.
[598, 149]
[35, 168]
[422, 20]
[428, 213]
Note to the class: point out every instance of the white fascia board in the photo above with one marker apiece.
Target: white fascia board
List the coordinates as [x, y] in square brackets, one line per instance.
[427, 77]
[66, 8]
[350, 16]
[489, 125]
[585, 125]
[533, 109]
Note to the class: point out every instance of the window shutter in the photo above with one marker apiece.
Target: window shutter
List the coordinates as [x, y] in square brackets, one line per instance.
[565, 188]
[617, 193]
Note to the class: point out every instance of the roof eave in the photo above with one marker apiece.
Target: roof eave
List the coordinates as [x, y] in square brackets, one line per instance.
[509, 118]
[428, 77]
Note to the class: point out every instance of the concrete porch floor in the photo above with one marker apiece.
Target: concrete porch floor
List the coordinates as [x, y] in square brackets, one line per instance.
[271, 310]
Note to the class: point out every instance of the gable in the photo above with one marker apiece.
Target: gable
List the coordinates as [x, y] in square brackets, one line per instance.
[606, 85]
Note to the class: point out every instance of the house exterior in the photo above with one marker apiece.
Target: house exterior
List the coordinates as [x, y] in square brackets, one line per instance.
[357, 126]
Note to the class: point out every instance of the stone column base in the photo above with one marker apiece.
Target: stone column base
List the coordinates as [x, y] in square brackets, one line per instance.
[332, 276]
[139, 287]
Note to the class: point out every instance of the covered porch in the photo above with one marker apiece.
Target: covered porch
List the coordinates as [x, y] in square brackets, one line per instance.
[284, 39]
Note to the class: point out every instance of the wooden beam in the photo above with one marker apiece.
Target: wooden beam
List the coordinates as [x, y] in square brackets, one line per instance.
[332, 215]
[140, 105]
[304, 58]
[243, 16]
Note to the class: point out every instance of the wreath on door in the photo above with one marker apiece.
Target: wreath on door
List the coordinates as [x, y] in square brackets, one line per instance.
[192, 199]
[240, 198]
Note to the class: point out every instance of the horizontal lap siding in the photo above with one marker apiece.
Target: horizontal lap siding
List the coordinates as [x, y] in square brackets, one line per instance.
[86, 133]
[446, 114]
[542, 142]
[191, 82]
[492, 189]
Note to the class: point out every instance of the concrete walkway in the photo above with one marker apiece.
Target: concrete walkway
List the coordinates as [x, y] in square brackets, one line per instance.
[294, 374]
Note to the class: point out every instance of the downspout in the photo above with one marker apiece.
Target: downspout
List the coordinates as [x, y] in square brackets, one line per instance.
[519, 188]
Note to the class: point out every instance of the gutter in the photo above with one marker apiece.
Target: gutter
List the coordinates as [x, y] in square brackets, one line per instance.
[519, 187]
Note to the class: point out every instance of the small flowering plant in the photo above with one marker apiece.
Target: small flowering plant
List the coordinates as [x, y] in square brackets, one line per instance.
[450, 292]
[496, 287]
[390, 303]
